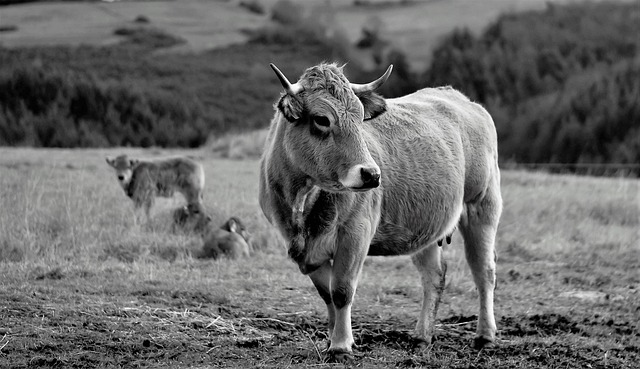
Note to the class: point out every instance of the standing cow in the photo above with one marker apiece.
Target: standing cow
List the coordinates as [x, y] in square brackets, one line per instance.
[347, 173]
[144, 180]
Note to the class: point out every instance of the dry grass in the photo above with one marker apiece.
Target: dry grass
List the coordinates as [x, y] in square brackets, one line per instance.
[246, 145]
[67, 205]
[61, 205]
[73, 258]
[203, 24]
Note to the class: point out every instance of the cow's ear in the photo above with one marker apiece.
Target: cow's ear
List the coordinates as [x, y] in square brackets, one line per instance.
[290, 107]
[373, 104]
[110, 160]
[133, 162]
[233, 227]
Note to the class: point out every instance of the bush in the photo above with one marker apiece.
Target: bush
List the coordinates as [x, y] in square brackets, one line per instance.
[149, 37]
[66, 110]
[142, 19]
[8, 28]
[253, 6]
[287, 13]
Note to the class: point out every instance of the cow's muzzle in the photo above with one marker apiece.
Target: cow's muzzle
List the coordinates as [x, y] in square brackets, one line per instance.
[362, 178]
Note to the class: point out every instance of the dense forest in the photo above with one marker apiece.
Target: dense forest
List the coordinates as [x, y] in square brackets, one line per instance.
[563, 85]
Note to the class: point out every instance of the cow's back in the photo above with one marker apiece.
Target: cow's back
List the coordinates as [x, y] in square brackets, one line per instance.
[436, 150]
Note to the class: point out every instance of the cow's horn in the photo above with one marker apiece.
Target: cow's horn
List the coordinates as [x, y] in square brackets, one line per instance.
[372, 86]
[292, 89]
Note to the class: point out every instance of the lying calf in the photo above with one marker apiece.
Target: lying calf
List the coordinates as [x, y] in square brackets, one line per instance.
[231, 240]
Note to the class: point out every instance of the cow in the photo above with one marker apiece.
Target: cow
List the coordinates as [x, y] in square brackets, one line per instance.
[144, 180]
[231, 240]
[347, 173]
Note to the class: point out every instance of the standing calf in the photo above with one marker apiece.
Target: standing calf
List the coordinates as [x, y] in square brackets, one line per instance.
[144, 180]
[346, 173]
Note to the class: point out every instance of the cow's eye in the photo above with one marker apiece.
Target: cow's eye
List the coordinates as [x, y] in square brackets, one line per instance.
[321, 122]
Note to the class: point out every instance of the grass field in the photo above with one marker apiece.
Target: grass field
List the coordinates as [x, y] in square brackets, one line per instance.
[83, 284]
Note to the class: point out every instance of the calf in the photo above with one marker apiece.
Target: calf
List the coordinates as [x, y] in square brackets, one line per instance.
[186, 220]
[144, 180]
[231, 240]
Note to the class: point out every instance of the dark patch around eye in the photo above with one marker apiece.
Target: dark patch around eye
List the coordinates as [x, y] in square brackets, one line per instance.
[319, 126]
[321, 121]
[315, 131]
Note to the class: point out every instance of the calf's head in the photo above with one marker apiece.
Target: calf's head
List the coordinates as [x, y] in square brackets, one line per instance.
[124, 169]
[235, 225]
[190, 218]
[325, 136]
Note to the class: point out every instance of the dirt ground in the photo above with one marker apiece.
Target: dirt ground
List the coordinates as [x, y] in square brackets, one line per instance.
[81, 287]
[76, 318]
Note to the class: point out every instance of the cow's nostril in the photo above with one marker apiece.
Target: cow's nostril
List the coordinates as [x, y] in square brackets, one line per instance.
[120, 178]
[370, 177]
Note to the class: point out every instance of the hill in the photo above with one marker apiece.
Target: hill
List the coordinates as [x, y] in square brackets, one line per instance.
[561, 83]
[413, 27]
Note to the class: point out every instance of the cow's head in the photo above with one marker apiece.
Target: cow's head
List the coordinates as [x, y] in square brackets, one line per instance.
[325, 137]
[124, 168]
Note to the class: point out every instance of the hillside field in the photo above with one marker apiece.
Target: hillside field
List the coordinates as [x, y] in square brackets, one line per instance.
[413, 27]
[85, 284]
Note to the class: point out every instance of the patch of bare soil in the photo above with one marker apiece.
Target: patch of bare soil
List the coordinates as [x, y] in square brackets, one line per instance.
[153, 327]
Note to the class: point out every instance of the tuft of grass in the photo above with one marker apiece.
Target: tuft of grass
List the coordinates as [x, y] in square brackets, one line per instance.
[248, 145]
[254, 6]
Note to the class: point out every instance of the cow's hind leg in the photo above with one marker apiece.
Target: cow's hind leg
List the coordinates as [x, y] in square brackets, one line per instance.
[432, 271]
[478, 225]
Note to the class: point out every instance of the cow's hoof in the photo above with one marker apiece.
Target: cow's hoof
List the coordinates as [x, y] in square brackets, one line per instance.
[481, 342]
[340, 356]
[421, 345]
[421, 341]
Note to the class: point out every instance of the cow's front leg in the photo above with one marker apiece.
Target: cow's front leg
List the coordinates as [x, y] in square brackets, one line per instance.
[351, 250]
[432, 270]
[321, 278]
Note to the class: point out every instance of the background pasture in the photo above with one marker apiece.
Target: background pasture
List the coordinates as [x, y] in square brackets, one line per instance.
[84, 284]
[562, 83]
[414, 26]
[87, 282]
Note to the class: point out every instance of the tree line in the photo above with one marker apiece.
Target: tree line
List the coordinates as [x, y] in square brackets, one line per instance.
[562, 85]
